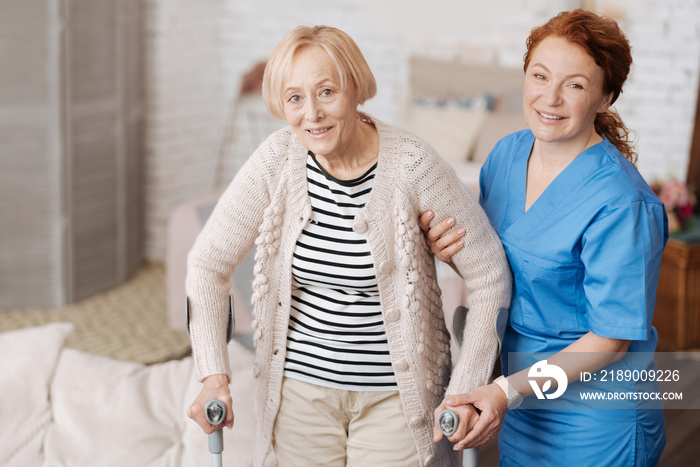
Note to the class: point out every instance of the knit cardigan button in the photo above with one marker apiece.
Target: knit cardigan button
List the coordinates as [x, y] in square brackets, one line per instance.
[384, 267]
[401, 365]
[361, 227]
[417, 422]
[393, 315]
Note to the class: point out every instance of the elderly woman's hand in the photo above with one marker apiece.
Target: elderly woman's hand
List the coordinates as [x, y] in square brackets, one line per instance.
[214, 387]
[466, 414]
[491, 401]
[442, 244]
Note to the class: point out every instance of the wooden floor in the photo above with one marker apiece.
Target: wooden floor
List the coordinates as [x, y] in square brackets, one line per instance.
[682, 438]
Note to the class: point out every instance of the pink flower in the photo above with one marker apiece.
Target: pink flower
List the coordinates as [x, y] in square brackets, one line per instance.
[679, 201]
[672, 193]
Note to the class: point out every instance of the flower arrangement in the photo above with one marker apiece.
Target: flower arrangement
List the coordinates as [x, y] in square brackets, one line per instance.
[679, 200]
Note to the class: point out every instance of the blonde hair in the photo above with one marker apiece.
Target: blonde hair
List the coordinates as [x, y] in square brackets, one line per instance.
[351, 64]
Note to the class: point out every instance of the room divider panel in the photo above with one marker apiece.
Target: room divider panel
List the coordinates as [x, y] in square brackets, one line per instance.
[70, 148]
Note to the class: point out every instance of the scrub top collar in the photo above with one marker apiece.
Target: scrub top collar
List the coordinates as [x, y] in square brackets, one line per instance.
[518, 223]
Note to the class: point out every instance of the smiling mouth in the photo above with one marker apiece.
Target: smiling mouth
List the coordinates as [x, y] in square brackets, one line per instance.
[549, 116]
[319, 131]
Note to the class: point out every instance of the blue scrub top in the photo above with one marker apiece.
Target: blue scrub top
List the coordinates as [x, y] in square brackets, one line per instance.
[585, 257]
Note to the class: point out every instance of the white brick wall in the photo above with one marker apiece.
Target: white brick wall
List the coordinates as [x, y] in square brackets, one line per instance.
[660, 98]
[185, 109]
[199, 50]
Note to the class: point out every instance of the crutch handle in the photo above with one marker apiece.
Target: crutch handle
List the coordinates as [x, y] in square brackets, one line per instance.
[448, 421]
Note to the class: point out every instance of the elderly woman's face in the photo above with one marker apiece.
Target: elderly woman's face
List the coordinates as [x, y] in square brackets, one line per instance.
[321, 113]
[563, 92]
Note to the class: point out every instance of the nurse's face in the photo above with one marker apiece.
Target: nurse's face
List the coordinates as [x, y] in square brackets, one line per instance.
[322, 114]
[563, 92]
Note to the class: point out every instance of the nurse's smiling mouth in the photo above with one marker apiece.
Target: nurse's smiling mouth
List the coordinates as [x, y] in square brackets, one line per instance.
[549, 116]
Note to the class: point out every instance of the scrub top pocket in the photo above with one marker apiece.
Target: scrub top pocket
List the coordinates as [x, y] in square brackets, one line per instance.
[549, 294]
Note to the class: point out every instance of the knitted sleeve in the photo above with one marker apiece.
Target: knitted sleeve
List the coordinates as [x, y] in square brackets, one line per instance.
[482, 262]
[227, 236]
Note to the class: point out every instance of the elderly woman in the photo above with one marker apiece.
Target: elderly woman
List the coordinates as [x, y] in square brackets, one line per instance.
[584, 235]
[352, 352]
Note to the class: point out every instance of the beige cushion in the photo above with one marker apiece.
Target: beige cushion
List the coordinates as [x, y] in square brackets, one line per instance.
[28, 359]
[494, 127]
[450, 130]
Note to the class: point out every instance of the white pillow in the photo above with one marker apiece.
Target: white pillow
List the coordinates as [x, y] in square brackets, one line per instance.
[496, 125]
[110, 412]
[27, 359]
[451, 130]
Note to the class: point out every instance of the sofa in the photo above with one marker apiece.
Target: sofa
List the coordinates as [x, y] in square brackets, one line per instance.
[63, 407]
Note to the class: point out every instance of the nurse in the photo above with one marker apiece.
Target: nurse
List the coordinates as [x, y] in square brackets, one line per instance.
[584, 235]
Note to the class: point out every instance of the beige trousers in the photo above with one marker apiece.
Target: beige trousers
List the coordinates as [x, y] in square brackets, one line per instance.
[318, 426]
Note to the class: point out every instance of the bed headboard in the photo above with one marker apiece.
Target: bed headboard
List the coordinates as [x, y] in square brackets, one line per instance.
[453, 79]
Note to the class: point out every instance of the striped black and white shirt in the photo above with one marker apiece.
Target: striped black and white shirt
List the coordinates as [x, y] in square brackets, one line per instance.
[336, 334]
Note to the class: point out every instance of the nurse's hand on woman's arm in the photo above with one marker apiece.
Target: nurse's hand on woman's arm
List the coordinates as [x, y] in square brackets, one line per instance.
[442, 244]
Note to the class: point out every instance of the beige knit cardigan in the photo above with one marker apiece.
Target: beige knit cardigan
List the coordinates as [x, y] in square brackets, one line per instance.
[267, 204]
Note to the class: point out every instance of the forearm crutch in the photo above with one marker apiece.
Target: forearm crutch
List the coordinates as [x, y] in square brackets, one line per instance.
[215, 410]
[448, 420]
